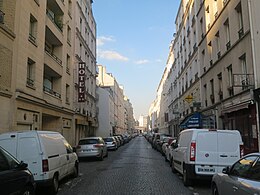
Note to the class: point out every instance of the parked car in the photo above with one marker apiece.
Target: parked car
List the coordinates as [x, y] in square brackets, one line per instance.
[242, 178]
[92, 147]
[15, 178]
[49, 156]
[111, 143]
[162, 140]
[118, 142]
[168, 151]
[155, 140]
[166, 142]
[200, 153]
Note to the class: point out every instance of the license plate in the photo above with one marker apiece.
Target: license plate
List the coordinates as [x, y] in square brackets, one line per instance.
[86, 150]
[206, 170]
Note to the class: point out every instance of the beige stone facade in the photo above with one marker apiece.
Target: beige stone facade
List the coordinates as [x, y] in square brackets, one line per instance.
[37, 66]
[214, 72]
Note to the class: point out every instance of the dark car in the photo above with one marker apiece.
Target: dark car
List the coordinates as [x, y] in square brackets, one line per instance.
[15, 178]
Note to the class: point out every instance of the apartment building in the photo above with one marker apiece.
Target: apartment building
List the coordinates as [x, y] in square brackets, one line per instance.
[7, 39]
[84, 62]
[38, 45]
[129, 116]
[117, 107]
[213, 79]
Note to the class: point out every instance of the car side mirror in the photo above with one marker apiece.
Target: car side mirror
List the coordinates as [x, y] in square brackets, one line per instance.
[226, 170]
[175, 145]
[23, 165]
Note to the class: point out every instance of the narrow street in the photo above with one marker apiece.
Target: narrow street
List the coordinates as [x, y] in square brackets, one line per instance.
[134, 168]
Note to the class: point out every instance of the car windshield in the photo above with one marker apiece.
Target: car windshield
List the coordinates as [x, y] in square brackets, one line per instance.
[108, 139]
[88, 141]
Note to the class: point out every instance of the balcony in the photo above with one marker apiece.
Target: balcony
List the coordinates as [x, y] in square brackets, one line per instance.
[57, 22]
[51, 82]
[219, 54]
[225, 2]
[228, 45]
[32, 38]
[243, 80]
[216, 15]
[211, 62]
[30, 82]
[51, 92]
[241, 33]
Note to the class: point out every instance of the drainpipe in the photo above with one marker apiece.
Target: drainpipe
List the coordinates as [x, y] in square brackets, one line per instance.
[254, 66]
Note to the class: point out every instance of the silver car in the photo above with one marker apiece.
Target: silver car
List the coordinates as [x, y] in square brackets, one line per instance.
[111, 143]
[92, 147]
[242, 178]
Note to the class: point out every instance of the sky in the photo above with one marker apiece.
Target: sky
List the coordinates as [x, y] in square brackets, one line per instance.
[133, 39]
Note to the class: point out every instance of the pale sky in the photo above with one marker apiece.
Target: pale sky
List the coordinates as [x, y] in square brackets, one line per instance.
[133, 39]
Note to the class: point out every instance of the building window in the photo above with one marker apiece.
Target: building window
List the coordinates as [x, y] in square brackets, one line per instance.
[212, 98]
[70, 8]
[201, 28]
[67, 94]
[30, 72]
[215, 8]
[227, 32]
[33, 29]
[218, 45]
[1, 12]
[80, 24]
[230, 80]
[244, 76]
[80, 50]
[68, 64]
[205, 92]
[220, 86]
[210, 53]
[69, 35]
[208, 18]
[240, 20]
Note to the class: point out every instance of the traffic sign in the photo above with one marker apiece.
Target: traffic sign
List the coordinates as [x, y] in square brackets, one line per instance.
[189, 98]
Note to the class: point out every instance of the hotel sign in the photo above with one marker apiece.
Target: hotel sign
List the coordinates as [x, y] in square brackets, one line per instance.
[81, 81]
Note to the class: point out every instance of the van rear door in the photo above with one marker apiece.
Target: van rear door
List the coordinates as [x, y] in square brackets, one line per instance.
[28, 150]
[228, 147]
[206, 152]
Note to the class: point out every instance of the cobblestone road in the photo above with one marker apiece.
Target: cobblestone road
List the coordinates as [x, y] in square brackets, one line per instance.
[134, 168]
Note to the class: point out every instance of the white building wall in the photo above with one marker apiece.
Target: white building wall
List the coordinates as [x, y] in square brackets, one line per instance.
[104, 128]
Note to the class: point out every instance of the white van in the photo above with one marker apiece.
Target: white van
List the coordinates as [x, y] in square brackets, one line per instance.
[200, 153]
[48, 155]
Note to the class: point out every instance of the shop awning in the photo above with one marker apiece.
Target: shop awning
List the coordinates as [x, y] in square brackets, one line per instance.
[192, 121]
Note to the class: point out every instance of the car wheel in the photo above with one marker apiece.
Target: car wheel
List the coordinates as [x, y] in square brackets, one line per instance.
[101, 156]
[165, 158]
[28, 191]
[55, 184]
[214, 189]
[186, 179]
[75, 170]
[173, 169]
